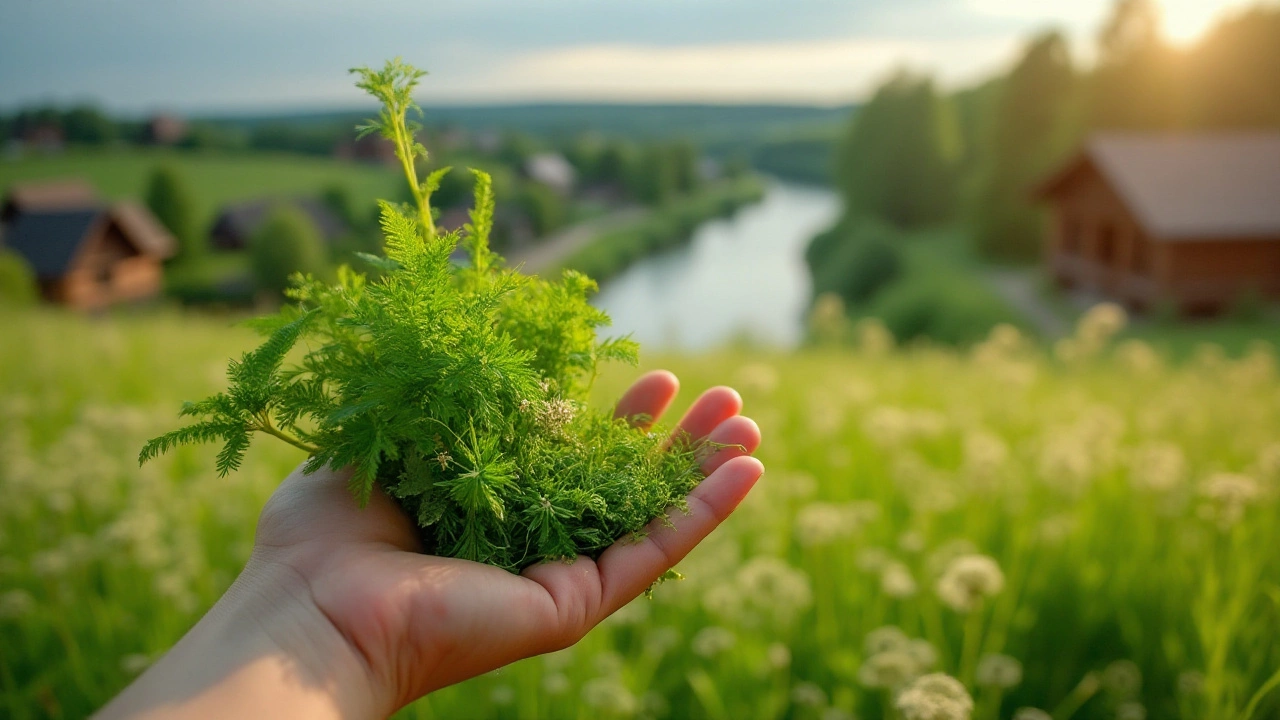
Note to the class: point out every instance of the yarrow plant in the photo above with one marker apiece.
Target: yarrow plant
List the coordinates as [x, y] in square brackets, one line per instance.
[458, 389]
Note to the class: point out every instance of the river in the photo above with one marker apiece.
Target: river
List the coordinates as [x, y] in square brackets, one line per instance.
[738, 277]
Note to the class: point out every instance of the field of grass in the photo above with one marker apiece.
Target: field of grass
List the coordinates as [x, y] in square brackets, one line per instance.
[214, 178]
[1091, 533]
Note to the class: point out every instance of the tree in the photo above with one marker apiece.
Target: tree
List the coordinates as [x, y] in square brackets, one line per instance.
[1136, 84]
[170, 201]
[1030, 131]
[899, 159]
[87, 125]
[287, 242]
[1231, 74]
[17, 280]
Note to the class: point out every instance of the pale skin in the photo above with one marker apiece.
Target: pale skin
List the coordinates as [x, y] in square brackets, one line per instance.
[338, 615]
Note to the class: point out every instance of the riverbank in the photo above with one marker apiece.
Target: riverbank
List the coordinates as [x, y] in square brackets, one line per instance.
[664, 227]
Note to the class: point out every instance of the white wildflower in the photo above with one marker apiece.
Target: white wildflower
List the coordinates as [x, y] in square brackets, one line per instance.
[896, 581]
[758, 376]
[1230, 494]
[1131, 711]
[711, 641]
[502, 695]
[885, 639]
[887, 670]
[609, 694]
[999, 671]
[808, 694]
[1158, 466]
[935, 697]
[16, 603]
[872, 559]
[1030, 713]
[1122, 679]
[779, 656]
[873, 337]
[134, 663]
[555, 683]
[969, 579]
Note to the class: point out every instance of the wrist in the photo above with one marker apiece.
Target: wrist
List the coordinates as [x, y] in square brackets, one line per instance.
[265, 649]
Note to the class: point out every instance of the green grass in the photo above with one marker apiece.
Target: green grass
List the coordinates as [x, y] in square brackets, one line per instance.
[1135, 571]
[214, 178]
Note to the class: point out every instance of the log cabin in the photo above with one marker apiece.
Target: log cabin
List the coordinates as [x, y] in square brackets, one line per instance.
[85, 254]
[1190, 221]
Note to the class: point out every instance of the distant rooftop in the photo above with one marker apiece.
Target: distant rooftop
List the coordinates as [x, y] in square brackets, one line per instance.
[1184, 187]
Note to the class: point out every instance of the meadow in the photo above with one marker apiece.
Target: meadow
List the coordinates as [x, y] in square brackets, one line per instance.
[215, 178]
[1084, 531]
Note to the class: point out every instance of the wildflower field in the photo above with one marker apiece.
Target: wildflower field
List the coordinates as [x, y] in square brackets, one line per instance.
[1087, 531]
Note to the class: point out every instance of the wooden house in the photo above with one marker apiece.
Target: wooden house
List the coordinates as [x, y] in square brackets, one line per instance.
[1190, 220]
[85, 254]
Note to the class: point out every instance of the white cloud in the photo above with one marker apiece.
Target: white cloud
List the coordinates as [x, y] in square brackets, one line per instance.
[819, 71]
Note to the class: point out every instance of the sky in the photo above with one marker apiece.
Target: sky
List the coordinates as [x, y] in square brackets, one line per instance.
[138, 56]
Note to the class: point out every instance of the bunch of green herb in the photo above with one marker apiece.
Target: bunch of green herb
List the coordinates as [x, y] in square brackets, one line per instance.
[458, 389]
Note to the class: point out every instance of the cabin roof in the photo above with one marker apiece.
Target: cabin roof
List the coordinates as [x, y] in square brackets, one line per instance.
[1183, 187]
[49, 240]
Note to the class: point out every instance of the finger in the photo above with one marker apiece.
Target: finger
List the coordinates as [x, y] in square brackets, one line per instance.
[628, 567]
[647, 398]
[708, 411]
[732, 438]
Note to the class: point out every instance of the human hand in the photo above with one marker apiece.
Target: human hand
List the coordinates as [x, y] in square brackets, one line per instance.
[338, 613]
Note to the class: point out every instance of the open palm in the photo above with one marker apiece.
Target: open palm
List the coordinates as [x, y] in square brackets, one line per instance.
[419, 622]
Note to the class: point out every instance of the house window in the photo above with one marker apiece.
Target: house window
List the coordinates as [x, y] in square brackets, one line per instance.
[103, 275]
[1106, 244]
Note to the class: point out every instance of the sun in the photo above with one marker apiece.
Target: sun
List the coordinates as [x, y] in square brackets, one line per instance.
[1186, 21]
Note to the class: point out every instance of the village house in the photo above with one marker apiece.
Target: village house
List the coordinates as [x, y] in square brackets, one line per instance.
[552, 170]
[85, 254]
[165, 130]
[1188, 220]
[373, 149]
[237, 223]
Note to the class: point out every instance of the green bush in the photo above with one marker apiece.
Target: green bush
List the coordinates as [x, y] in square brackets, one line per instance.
[943, 309]
[855, 259]
[17, 280]
[287, 242]
[169, 199]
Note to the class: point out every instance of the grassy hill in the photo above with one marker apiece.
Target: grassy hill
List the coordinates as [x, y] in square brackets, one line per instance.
[1128, 503]
[214, 178]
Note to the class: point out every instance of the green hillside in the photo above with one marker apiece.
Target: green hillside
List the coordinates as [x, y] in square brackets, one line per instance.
[1090, 533]
[214, 178]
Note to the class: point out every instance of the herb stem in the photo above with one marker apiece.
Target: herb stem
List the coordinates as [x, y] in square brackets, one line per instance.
[264, 425]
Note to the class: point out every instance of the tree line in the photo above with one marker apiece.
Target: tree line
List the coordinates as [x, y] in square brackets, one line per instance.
[913, 157]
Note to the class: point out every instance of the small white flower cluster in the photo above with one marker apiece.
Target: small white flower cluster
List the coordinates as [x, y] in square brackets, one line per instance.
[893, 659]
[824, 523]
[935, 697]
[1094, 330]
[1228, 495]
[968, 580]
[998, 671]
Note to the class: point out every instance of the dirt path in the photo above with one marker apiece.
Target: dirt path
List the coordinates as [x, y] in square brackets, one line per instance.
[551, 251]
[1018, 288]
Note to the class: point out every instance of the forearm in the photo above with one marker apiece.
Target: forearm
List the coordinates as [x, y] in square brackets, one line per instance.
[264, 650]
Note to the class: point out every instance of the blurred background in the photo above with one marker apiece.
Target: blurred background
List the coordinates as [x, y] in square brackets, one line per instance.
[1000, 279]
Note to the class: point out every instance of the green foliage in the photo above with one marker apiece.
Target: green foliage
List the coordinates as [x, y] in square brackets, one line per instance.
[17, 280]
[855, 259]
[287, 243]
[460, 390]
[899, 159]
[170, 201]
[1030, 135]
[547, 211]
[942, 308]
